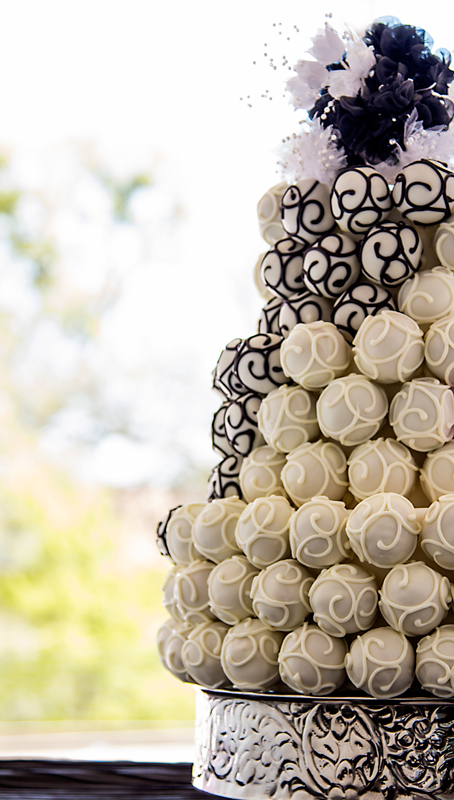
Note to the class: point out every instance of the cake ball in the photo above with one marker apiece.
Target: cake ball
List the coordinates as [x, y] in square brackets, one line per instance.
[383, 530]
[414, 598]
[269, 213]
[162, 636]
[422, 414]
[219, 439]
[287, 418]
[261, 287]
[269, 316]
[257, 363]
[381, 465]
[437, 532]
[331, 265]
[390, 253]
[240, 423]
[360, 199]
[262, 530]
[424, 192]
[389, 347]
[213, 531]
[201, 654]
[229, 589]
[306, 211]
[191, 592]
[280, 595]
[317, 533]
[174, 534]
[439, 349]
[311, 661]
[224, 378]
[435, 662]
[444, 243]
[381, 663]
[260, 474]
[168, 595]
[437, 472]
[249, 655]
[314, 469]
[303, 307]
[361, 301]
[282, 268]
[428, 296]
[351, 409]
[314, 354]
[225, 478]
[172, 658]
[344, 599]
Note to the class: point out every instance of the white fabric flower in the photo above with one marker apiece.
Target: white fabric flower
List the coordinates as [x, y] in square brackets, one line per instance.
[348, 81]
[327, 46]
[305, 86]
[312, 154]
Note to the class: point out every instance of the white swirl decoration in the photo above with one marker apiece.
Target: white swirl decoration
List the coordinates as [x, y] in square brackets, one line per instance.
[229, 589]
[437, 532]
[428, 296]
[314, 469]
[201, 654]
[311, 661]
[422, 414]
[435, 662]
[249, 655]
[439, 349]
[263, 529]
[318, 538]
[344, 599]
[260, 474]
[437, 472]
[389, 348]
[383, 530]
[381, 662]
[314, 354]
[381, 465]
[414, 598]
[352, 409]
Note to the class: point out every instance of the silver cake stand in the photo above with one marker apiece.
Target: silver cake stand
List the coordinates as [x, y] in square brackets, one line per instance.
[281, 746]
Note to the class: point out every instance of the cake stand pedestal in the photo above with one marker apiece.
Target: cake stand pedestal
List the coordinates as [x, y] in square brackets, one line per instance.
[281, 746]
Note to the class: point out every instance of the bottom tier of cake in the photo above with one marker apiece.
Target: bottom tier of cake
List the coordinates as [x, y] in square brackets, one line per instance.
[292, 746]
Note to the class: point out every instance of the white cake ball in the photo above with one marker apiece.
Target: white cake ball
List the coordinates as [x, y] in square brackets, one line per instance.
[383, 530]
[269, 213]
[287, 418]
[444, 243]
[214, 528]
[389, 347]
[435, 662]
[172, 658]
[414, 598]
[191, 592]
[331, 265]
[162, 636]
[249, 655]
[428, 296]
[439, 349]
[422, 414]
[229, 589]
[168, 595]
[260, 474]
[390, 253]
[317, 533]
[344, 599]
[360, 199]
[437, 472]
[263, 529]
[311, 661]
[381, 465]
[314, 469]
[306, 210]
[424, 192]
[351, 409]
[201, 654]
[282, 268]
[280, 595]
[174, 534]
[381, 663]
[437, 532]
[314, 354]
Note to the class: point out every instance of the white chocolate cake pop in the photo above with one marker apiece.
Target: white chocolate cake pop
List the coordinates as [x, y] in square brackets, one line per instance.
[360, 199]
[172, 658]
[229, 589]
[249, 655]
[444, 243]
[331, 265]
[351, 409]
[428, 296]
[311, 661]
[287, 418]
[201, 654]
[214, 529]
[263, 529]
[168, 595]
[424, 192]
[317, 533]
[414, 598]
[282, 268]
[303, 307]
[306, 211]
[381, 465]
[422, 414]
[315, 469]
[362, 300]
[439, 349]
[390, 253]
[314, 354]
[437, 472]
[164, 632]
[383, 530]
[191, 592]
[389, 347]
[344, 599]
[381, 663]
[280, 595]
[174, 534]
[437, 532]
[260, 474]
[269, 213]
[435, 662]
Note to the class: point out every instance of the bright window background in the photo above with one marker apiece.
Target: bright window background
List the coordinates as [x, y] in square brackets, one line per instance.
[129, 179]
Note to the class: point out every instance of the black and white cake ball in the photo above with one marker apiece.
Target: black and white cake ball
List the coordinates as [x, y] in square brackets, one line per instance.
[306, 211]
[424, 192]
[357, 303]
[391, 253]
[225, 479]
[269, 316]
[257, 363]
[360, 199]
[219, 439]
[282, 267]
[241, 424]
[303, 307]
[224, 379]
[331, 265]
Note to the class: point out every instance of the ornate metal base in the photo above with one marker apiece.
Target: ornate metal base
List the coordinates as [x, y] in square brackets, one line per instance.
[289, 746]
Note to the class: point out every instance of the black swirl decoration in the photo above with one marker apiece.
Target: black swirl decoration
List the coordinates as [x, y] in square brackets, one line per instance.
[331, 265]
[241, 426]
[224, 479]
[224, 379]
[218, 435]
[306, 212]
[161, 533]
[360, 199]
[257, 364]
[424, 192]
[282, 267]
[362, 300]
[303, 307]
[269, 317]
[391, 253]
